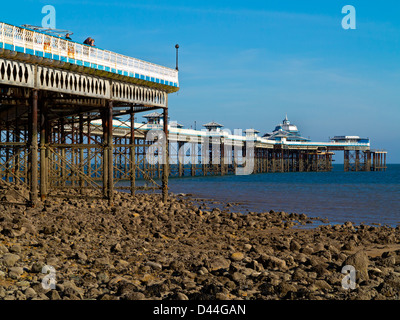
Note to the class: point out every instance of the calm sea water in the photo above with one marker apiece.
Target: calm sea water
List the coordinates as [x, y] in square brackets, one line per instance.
[359, 197]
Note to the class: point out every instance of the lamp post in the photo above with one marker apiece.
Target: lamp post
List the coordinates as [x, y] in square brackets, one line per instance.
[177, 47]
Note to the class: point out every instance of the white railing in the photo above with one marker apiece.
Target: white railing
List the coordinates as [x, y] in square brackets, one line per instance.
[333, 144]
[33, 41]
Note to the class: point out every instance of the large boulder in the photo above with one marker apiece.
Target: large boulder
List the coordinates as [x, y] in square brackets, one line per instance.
[360, 262]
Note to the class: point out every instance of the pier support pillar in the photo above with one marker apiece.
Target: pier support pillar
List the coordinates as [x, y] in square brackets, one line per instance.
[132, 156]
[222, 154]
[105, 153]
[33, 138]
[346, 163]
[110, 168]
[180, 158]
[44, 170]
[165, 165]
[81, 155]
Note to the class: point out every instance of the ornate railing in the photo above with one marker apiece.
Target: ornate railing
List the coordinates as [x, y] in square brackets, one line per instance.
[52, 47]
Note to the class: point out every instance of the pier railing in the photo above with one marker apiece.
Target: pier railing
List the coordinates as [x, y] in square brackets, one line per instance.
[52, 47]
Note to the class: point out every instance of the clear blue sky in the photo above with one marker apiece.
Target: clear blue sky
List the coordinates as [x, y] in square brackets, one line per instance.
[247, 63]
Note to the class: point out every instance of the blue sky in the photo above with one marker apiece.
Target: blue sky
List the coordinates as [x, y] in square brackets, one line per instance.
[247, 63]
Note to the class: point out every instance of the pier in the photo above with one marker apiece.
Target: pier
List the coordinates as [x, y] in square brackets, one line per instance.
[67, 126]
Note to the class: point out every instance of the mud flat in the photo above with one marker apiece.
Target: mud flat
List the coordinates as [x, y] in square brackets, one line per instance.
[143, 248]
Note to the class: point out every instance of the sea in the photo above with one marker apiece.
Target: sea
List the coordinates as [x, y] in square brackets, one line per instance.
[371, 198]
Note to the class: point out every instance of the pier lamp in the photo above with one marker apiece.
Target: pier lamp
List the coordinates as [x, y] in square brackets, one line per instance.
[177, 47]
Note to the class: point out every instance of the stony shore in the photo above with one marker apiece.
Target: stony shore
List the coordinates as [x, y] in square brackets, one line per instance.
[143, 248]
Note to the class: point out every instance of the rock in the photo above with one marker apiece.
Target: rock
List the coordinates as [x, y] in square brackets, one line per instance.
[48, 230]
[71, 289]
[322, 284]
[154, 265]
[393, 280]
[284, 288]
[102, 277]
[16, 248]
[3, 248]
[116, 248]
[9, 259]
[221, 296]
[53, 295]
[238, 277]
[299, 275]
[37, 267]
[360, 262]
[103, 261]
[80, 256]
[23, 284]
[386, 290]
[177, 265]
[307, 250]
[294, 245]
[15, 272]
[349, 246]
[134, 296]
[389, 261]
[8, 232]
[122, 263]
[303, 216]
[126, 288]
[218, 263]
[247, 247]
[180, 296]
[237, 256]
[271, 262]
[349, 225]
[30, 293]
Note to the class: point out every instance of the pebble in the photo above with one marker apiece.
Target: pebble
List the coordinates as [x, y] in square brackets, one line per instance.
[155, 250]
[9, 259]
[237, 256]
[154, 265]
[30, 293]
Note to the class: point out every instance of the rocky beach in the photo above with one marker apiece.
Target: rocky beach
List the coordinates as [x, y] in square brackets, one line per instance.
[188, 249]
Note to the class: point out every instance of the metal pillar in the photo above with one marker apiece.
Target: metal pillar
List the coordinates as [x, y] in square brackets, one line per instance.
[346, 160]
[81, 154]
[180, 145]
[110, 171]
[132, 154]
[222, 154]
[43, 156]
[34, 150]
[105, 153]
[165, 164]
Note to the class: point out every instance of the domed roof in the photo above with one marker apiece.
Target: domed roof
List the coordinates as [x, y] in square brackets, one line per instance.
[286, 126]
[285, 130]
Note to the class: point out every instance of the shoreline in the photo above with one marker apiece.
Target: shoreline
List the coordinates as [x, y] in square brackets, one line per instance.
[144, 249]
